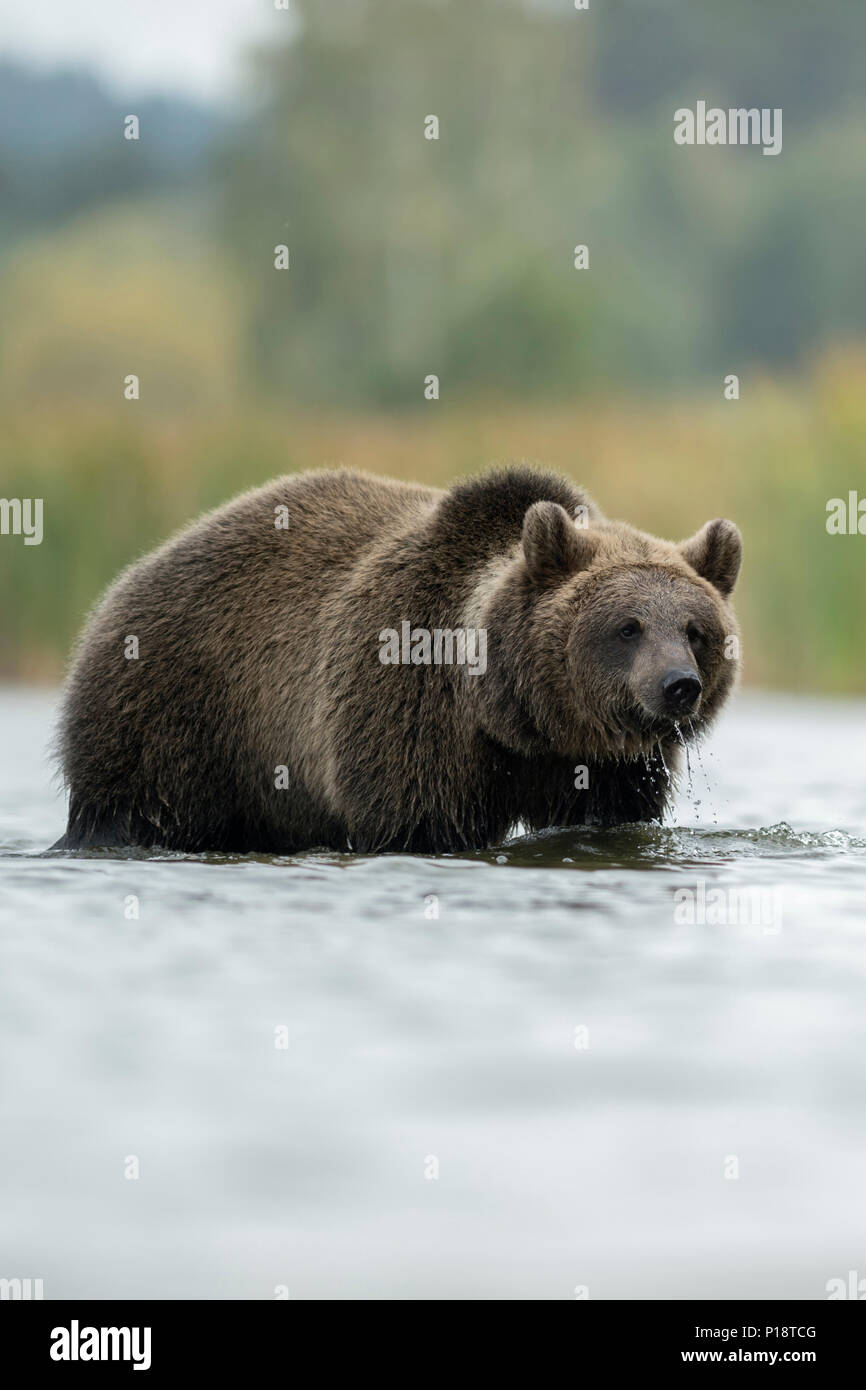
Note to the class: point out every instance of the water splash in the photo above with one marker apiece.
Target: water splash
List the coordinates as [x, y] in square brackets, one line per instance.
[668, 777]
[698, 745]
[690, 781]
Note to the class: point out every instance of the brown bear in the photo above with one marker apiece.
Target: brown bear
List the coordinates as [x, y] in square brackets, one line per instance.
[350, 662]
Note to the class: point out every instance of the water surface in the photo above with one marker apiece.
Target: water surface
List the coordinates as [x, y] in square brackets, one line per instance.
[620, 1087]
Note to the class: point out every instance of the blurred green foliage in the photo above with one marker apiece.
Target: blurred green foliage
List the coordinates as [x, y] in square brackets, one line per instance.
[452, 256]
[455, 257]
[116, 483]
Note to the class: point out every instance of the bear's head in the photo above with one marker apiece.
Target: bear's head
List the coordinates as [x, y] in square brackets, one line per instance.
[607, 642]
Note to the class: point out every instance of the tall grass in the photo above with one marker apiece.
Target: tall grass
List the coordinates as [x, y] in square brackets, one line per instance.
[114, 484]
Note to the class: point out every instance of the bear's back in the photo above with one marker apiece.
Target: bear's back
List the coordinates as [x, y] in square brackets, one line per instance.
[172, 700]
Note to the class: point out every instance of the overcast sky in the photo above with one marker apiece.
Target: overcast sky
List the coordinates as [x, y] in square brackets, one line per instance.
[192, 47]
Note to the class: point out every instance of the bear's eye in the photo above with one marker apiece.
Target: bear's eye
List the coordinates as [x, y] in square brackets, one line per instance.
[694, 634]
[628, 631]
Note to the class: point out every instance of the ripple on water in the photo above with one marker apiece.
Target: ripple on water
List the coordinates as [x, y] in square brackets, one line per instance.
[579, 1062]
[643, 846]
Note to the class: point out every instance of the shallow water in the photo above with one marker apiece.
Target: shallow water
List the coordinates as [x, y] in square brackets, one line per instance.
[620, 1094]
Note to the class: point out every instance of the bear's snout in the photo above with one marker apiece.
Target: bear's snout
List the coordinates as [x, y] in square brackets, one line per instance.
[681, 691]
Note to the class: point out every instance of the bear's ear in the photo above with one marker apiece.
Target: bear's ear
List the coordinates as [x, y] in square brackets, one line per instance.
[715, 553]
[553, 546]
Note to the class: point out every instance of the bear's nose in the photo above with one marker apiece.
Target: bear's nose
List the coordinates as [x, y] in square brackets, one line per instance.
[681, 690]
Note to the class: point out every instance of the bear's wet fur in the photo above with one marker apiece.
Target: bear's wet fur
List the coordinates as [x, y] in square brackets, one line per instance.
[260, 648]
